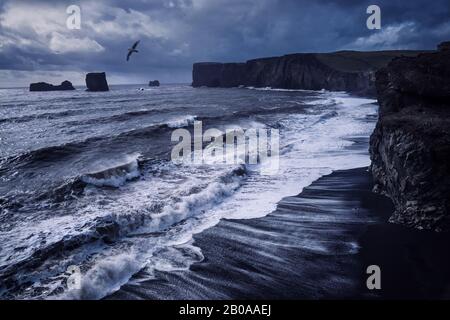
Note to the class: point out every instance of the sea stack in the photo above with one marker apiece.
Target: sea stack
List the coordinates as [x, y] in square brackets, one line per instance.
[410, 147]
[154, 83]
[96, 82]
[43, 86]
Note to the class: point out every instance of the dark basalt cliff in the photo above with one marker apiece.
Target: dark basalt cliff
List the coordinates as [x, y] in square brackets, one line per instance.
[96, 82]
[349, 71]
[410, 147]
[43, 86]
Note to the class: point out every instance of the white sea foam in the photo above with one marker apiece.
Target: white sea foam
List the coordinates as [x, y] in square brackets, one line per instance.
[105, 277]
[161, 212]
[115, 176]
[315, 150]
[181, 121]
[282, 90]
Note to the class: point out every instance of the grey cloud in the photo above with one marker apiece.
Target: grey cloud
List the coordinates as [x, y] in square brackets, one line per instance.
[176, 33]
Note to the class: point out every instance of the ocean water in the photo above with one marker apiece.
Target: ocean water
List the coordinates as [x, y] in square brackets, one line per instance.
[86, 179]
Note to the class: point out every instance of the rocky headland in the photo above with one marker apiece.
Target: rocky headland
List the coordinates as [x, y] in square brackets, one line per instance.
[350, 71]
[410, 147]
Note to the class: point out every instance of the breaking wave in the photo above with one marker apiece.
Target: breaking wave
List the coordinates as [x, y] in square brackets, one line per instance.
[137, 213]
[113, 177]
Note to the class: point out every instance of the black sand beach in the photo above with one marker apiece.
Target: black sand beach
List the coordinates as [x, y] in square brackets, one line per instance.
[414, 263]
[308, 249]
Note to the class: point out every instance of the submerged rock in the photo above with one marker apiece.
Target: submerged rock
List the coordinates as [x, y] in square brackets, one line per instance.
[410, 147]
[96, 82]
[43, 86]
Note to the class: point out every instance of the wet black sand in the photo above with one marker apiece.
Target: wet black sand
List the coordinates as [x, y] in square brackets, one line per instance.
[316, 245]
[414, 264]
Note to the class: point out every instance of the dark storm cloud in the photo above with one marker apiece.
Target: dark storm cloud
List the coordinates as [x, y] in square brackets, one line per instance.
[176, 33]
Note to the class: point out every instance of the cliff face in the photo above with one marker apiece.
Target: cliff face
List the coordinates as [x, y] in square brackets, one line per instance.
[304, 71]
[340, 71]
[211, 74]
[410, 147]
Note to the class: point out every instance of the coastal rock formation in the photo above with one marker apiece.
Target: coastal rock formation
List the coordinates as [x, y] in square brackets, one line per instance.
[349, 71]
[212, 74]
[154, 83]
[96, 82]
[43, 86]
[444, 46]
[410, 147]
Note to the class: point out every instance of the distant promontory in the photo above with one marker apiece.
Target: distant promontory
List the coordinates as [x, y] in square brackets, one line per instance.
[351, 71]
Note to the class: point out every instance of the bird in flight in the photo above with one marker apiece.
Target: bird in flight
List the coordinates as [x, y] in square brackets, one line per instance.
[132, 49]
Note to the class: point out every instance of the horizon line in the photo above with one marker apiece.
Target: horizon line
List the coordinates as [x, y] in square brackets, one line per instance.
[109, 84]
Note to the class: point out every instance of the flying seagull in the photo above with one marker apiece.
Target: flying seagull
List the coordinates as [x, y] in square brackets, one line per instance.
[132, 49]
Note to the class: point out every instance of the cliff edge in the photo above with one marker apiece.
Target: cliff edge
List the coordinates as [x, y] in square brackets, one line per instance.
[410, 147]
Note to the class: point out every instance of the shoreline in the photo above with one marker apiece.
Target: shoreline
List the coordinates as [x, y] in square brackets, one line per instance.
[306, 249]
[179, 257]
[275, 257]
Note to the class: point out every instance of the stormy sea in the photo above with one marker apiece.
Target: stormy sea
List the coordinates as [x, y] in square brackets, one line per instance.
[87, 181]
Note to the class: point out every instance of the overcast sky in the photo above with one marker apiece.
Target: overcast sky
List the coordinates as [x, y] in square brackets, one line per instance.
[36, 45]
